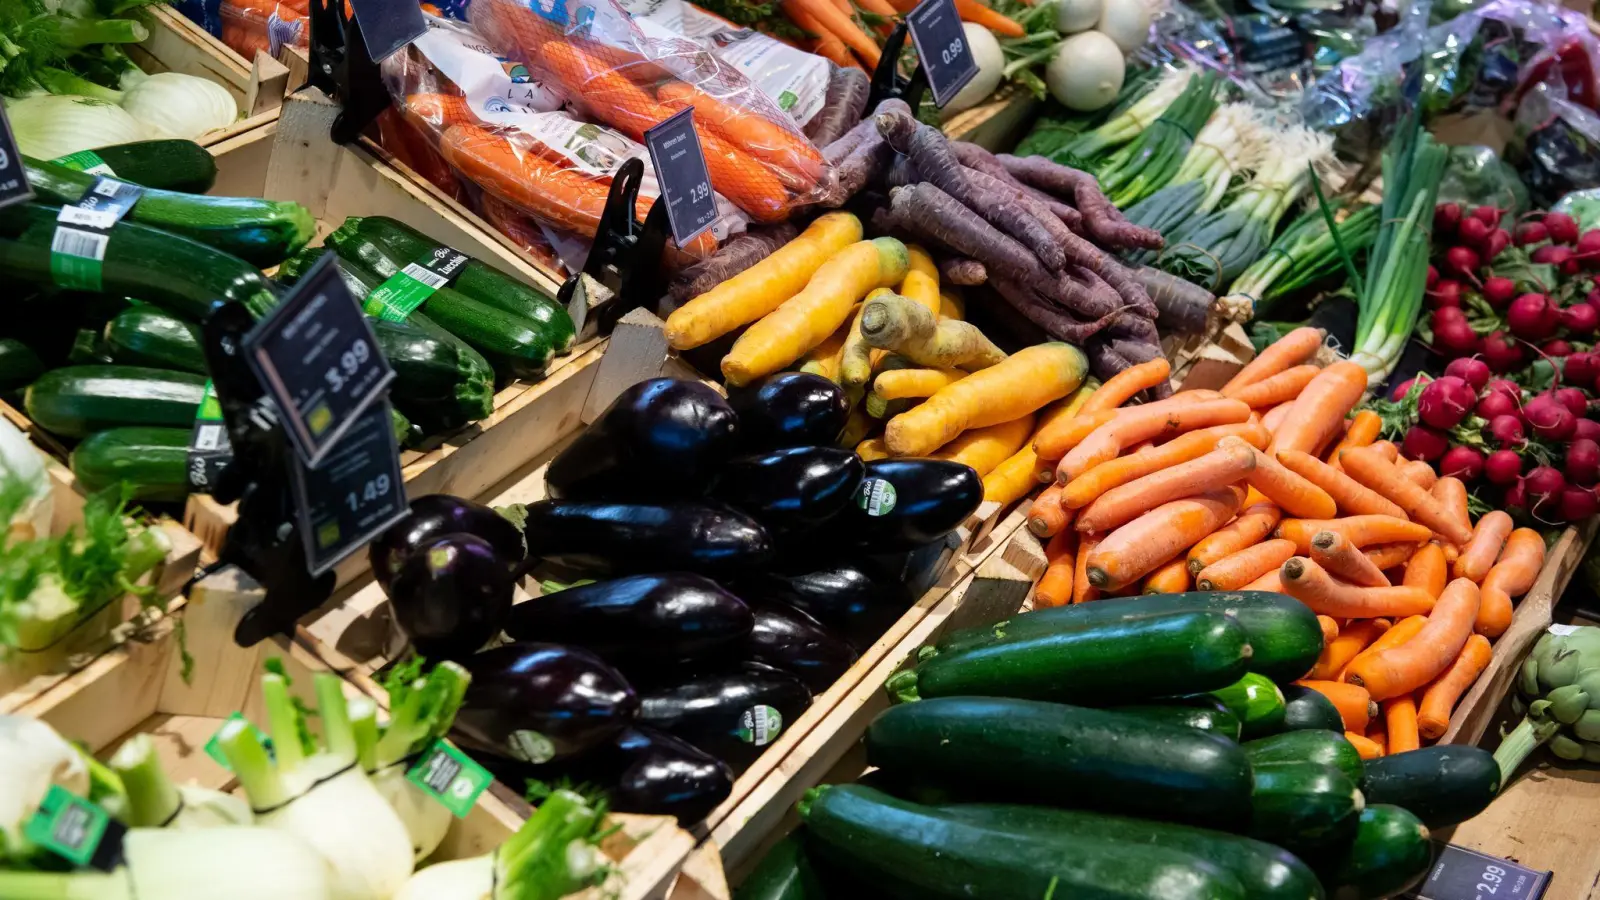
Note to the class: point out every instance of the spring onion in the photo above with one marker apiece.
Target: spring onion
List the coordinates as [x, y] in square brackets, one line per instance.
[1304, 254]
[155, 802]
[1229, 145]
[1147, 163]
[1127, 124]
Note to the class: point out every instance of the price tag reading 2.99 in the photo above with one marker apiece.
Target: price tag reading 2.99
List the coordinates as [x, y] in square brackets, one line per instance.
[682, 175]
[1462, 874]
[942, 47]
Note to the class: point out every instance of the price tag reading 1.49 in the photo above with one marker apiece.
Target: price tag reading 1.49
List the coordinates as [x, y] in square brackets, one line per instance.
[1462, 874]
[942, 47]
[354, 493]
[316, 357]
[681, 173]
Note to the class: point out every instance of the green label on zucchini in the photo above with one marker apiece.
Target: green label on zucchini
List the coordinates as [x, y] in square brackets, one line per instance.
[86, 161]
[399, 296]
[450, 777]
[210, 451]
[876, 496]
[84, 229]
[760, 725]
[68, 825]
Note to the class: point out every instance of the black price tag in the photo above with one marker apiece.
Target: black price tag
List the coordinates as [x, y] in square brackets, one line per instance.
[942, 46]
[389, 25]
[682, 175]
[353, 494]
[210, 451]
[14, 186]
[1462, 874]
[316, 356]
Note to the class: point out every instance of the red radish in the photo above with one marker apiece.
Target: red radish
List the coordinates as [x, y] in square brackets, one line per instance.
[1488, 215]
[1578, 504]
[1549, 419]
[1506, 431]
[1496, 244]
[1533, 317]
[1500, 351]
[1587, 430]
[1583, 462]
[1588, 247]
[1473, 371]
[1495, 404]
[1433, 277]
[1497, 290]
[1581, 318]
[1502, 467]
[1532, 233]
[1517, 496]
[1462, 261]
[1424, 443]
[1554, 254]
[1445, 402]
[1557, 348]
[1505, 386]
[1562, 227]
[1474, 232]
[1594, 297]
[1404, 387]
[1465, 463]
[1572, 266]
[1454, 337]
[1446, 217]
[1573, 399]
[1544, 486]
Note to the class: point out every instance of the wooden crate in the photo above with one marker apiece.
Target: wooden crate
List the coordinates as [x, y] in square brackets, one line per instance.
[176, 44]
[139, 688]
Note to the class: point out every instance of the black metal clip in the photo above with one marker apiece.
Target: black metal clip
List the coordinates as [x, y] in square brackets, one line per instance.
[343, 68]
[625, 257]
[887, 82]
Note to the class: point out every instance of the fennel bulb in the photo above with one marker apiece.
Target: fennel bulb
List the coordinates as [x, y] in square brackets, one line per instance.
[155, 802]
[181, 106]
[48, 126]
[423, 709]
[20, 461]
[237, 863]
[1086, 72]
[36, 757]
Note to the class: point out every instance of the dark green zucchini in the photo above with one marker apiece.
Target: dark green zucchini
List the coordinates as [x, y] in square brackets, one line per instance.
[145, 335]
[1110, 664]
[908, 850]
[1441, 785]
[262, 232]
[1284, 634]
[153, 461]
[172, 271]
[1215, 721]
[1388, 856]
[1327, 747]
[1051, 753]
[167, 164]
[79, 400]
[1305, 708]
[19, 365]
[785, 873]
[1257, 702]
[1264, 871]
[1302, 804]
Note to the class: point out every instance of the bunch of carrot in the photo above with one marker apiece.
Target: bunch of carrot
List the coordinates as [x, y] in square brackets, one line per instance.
[850, 34]
[1271, 484]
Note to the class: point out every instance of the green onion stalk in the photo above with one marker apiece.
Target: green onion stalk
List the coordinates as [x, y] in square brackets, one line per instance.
[1147, 163]
[1035, 48]
[1390, 298]
[1131, 122]
[1307, 252]
[1229, 145]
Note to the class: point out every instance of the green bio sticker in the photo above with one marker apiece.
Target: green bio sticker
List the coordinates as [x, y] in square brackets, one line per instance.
[531, 746]
[760, 725]
[450, 777]
[67, 825]
[876, 496]
[213, 747]
[400, 295]
[86, 161]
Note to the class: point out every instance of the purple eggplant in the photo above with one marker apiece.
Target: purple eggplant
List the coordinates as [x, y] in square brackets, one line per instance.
[653, 773]
[791, 489]
[733, 714]
[661, 439]
[856, 599]
[451, 596]
[634, 537]
[543, 702]
[638, 619]
[434, 515]
[789, 409]
[786, 638]
[903, 504]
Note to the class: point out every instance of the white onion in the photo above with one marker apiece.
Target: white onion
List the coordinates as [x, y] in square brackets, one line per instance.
[1086, 72]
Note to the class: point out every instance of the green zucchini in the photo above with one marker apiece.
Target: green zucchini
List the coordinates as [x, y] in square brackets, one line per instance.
[403, 244]
[19, 365]
[1442, 785]
[147, 336]
[1264, 871]
[1215, 721]
[1113, 663]
[153, 461]
[1388, 856]
[184, 276]
[1047, 752]
[79, 400]
[785, 873]
[1303, 804]
[1306, 708]
[89, 349]
[1257, 702]
[262, 232]
[168, 164]
[1284, 634]
[909, 850]
[1327, 747]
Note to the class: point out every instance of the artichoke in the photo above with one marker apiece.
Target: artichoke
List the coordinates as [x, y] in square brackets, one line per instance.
[1560, 681]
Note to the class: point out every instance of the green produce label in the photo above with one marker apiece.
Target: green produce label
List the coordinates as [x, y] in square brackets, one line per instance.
[86, 161]
[210, 451]
[68, 826]
[760, 725]
[531, 746]
[83, 231]
[450, 777]
[213, 747]
[876, 496]
[409, 288]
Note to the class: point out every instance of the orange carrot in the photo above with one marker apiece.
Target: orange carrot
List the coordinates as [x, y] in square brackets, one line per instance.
[1292, 349]
[1275, 416]
[785, 148]
[1121, 387]
[1400, 723]
[1368, 748]
[1271, 582]
[1354, 704]
[1046, 518]
[1397, 634]
[1082, 590]
[1222, 466]
[1336, 654]
[828, 44]
[1409, 666]
[1433, 714]
[1334, 552]
[1367, 467]
[1311, 584]
[1352, 497]
[1055, 586]
[1363, 430]
[1296, 495]
[1330, 629]
[1172, 577]
[1124, 469]
[1236, 570]
[1418, 472]
[1378, 734]
[1484, 548]
[1386, 449]
[1250, 528]
[1512, 576]
[1452, 495]
[1320, 409]
[975, 12]
[1143, 423]
[1280, 388]
[1061, 436]
[1135, 549]
[1427, 570]
[839, 24]
[1388, 556]
[1362, 531]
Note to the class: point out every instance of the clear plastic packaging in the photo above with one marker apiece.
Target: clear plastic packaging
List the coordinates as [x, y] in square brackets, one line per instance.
[267, 26]
[1475, 175]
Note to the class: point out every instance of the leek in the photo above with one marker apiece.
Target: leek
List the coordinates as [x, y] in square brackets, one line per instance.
[1304, 254]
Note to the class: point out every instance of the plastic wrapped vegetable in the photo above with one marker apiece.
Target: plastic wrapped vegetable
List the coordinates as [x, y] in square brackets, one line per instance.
[1561, 681]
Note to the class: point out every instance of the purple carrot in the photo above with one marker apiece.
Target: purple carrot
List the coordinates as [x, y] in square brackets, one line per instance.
[1055, 321]
[1101, 218]
[740, 252]
[842, 107]
[1104, 362]
[959, 270]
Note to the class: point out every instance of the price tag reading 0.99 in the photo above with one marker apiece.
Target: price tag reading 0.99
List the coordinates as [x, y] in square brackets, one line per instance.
[942, 46]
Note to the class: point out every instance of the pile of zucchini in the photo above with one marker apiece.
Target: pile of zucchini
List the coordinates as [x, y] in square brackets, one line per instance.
[1150, 747]
[120, 371]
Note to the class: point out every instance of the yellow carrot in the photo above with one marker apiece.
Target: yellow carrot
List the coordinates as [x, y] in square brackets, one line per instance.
[871, 449]
[1013, 479]
[855, 356]
[986, 448]
[950, 306]
[892, 322]
[898, 384]
[1018, 385]
[921, 283]
[823, 359]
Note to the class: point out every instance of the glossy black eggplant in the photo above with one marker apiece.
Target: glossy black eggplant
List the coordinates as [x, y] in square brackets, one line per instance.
[789, 409]
[856, 599]
[788, 639]
[434, 515]
[638, 619]
[654, 773]
[661, 439]
[538, 702]
[451, 596]
[640, 537]
[733, 715]
[792, 488]
[903, 504]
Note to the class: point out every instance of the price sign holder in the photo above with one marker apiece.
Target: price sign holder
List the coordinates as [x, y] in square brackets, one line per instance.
[624, 262]
[1462, 874]
[317, 358]
[14, 187]
[342, 67]
[388, 26]
[354, 493]
[942, 47]
[887, 82]
[682, 175]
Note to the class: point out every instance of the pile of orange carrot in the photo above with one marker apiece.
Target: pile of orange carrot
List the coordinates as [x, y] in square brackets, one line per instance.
[841, 33]
[1276, 483]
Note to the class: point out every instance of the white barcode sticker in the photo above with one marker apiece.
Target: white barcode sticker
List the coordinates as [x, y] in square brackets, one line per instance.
[424, 275]
[82, 244]
[208, 437]
[101, 219]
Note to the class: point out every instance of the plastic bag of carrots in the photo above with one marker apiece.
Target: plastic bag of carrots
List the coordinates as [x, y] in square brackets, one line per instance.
[267, 26]
[613, 73]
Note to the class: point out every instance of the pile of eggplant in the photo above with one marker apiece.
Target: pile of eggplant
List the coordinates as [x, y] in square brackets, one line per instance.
[745, 561]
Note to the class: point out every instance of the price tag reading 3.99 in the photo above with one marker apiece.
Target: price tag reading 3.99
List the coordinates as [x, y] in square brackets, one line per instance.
[354, 493]
[1462, 874]
[681, 174]
[942, 47]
